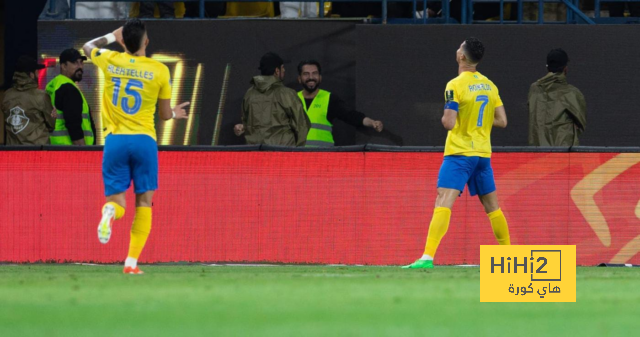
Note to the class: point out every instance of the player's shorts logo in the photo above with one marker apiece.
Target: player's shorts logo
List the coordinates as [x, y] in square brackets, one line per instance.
[17, 119]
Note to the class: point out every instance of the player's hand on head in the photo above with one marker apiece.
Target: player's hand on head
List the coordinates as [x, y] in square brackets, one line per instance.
[118, 34]
[179, 110]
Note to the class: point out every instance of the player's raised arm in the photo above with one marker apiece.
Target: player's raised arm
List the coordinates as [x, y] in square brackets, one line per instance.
[500, 119]
[115, 36]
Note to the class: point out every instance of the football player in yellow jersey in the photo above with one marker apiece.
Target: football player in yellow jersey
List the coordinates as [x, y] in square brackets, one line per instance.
[472, 108]
[134, 85]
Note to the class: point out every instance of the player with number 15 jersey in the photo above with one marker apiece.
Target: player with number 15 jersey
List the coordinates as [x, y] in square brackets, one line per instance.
[134, 86]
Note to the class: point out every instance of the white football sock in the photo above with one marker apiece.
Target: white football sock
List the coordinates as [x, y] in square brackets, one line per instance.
[131, 262]
[426, 257]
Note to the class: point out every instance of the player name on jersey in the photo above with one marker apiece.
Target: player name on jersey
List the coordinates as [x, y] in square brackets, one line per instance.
[148, 75]
[479, 87]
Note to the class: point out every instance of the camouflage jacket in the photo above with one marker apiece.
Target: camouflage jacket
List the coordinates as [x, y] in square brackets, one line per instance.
[27, 112]
[273, 114]
[557, 112]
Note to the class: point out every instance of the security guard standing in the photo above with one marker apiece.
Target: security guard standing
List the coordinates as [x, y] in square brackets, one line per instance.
[74, 125]
[322, 107]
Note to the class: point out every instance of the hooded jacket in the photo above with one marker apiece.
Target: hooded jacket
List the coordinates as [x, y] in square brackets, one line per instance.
[27, 112]
[557, 112]
[272, 114]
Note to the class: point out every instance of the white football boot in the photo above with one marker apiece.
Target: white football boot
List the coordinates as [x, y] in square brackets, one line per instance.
[104, 228]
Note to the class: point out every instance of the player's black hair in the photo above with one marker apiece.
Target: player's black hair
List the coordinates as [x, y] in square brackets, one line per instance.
[132, 34]
[473, 49]
[309, 63]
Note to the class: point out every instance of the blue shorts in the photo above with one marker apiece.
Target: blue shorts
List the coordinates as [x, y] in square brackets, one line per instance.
[126, 158]
[457, 171]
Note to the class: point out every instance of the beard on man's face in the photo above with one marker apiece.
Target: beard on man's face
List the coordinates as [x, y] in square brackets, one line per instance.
[77, 76]
[310, 85]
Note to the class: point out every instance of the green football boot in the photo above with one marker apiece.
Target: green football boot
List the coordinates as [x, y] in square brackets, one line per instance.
[420, 264]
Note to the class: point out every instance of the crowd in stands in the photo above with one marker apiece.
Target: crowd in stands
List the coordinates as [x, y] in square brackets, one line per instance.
[168, 9]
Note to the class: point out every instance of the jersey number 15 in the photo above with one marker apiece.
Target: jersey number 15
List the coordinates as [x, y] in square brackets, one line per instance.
[130, 93]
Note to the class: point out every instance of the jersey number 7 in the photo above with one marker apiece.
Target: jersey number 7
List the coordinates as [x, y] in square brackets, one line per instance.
[132, 94]
[485, 100]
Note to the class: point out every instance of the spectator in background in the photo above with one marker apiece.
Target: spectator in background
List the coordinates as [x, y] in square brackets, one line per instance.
[616, 9]
[165, 8]
[60, 10]
[211, 9]
[557, 110]
[323, 107]
[250, 9]
[102, 10]
[371, 9]
[289, 10]
[434, 9]
[27, 110]
[74, 125]
[272, 113]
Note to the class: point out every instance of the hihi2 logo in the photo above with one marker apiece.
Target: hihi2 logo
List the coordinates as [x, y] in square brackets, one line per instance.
[528, 273]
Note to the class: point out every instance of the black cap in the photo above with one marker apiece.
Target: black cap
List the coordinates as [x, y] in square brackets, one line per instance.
[270, 62]
[27, 64]
[71, 55]
[557, 59]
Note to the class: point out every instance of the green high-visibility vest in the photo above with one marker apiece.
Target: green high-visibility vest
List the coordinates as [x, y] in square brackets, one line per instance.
[320, 132]
[60, 135]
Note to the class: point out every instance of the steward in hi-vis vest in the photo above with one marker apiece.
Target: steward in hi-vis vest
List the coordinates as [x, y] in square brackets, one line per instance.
[74, 125]
[60, 135]
[320, 131]
[323, 108]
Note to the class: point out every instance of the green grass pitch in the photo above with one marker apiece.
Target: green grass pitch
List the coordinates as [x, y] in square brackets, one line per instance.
[195, 300]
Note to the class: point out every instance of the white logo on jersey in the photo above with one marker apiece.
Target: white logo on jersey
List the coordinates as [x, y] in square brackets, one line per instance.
[17, 120]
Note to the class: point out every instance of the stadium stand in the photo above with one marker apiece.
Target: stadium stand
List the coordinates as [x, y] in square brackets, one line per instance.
[574, 12]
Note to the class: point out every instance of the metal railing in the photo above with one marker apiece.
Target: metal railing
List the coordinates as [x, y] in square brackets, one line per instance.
[384, 3]
[573, 11]
[573, 15]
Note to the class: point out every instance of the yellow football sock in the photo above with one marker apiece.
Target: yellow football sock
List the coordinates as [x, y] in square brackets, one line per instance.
[119, 209]
[437, 229]
[140, 231]
[500, 227]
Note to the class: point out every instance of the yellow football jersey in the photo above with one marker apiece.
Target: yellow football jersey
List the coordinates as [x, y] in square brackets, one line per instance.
[132, 87]
[475, 98]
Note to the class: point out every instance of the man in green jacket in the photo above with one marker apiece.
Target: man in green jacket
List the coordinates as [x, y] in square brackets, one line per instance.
[27, 110]
[272, 114]
[557, 110]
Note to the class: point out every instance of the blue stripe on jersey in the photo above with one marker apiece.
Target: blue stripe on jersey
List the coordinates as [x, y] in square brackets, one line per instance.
[451, 105]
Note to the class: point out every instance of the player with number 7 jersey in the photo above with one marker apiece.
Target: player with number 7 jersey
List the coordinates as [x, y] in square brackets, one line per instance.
[134, 86]
[472, 107]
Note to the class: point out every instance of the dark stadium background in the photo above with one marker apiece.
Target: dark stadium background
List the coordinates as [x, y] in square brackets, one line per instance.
[396, 73]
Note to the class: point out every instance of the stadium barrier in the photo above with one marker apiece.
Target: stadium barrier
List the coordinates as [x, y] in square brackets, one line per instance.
[364, 204]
